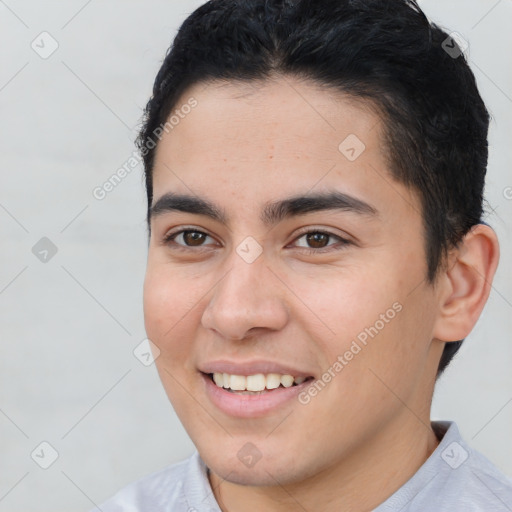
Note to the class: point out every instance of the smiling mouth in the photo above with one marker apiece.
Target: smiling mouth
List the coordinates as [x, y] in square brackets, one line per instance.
[255, 384]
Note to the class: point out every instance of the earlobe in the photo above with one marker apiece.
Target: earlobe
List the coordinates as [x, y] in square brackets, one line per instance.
[467, 283]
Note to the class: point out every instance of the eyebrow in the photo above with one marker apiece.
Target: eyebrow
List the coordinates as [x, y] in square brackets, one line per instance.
[272, 213]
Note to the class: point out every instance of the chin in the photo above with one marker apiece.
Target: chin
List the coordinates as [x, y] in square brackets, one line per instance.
[252, 477]
[258, 475]
[269, 470]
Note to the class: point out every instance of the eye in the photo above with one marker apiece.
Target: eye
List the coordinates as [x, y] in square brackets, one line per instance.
[319, 241]
[189, 238]
[186, 238]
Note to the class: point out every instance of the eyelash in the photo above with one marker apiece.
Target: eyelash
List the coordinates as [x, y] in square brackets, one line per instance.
[169, 238]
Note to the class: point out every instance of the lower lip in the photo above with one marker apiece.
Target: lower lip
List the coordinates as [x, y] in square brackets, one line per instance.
[250, 406]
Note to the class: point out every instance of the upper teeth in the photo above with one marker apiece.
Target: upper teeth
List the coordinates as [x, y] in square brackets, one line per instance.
[256, 382]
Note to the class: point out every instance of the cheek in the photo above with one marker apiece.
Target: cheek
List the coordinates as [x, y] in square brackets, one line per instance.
[157, 299]
[367, 313]
[343, 303]
[168, 315]
[168, 309]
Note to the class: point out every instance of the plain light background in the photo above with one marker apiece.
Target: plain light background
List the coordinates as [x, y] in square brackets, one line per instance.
[68, 375]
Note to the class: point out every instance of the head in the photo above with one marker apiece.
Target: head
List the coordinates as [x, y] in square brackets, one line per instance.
[260, 108]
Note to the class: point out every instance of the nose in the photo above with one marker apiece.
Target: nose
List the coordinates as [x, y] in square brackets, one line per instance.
[248, 297]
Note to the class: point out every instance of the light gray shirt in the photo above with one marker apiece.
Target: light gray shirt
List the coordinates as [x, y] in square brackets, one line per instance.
[454, 478]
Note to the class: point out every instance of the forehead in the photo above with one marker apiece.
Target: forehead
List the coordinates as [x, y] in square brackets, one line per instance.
[277, 113]
[259, 138]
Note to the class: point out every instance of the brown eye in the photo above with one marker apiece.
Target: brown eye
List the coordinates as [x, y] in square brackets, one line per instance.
[193, 238]
[317, 239]
[186, 238]
[318, 242]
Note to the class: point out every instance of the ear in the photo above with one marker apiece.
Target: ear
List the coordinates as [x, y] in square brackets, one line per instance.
[465, 284]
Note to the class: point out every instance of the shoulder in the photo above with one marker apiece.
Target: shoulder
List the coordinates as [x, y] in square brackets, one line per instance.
[471, 479]
[163, 488]
[456, 478]
[486, 485]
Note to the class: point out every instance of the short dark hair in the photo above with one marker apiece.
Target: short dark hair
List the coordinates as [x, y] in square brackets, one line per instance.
[384, 52]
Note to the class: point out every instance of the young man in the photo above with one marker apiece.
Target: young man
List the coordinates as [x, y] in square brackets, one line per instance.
[314, 174]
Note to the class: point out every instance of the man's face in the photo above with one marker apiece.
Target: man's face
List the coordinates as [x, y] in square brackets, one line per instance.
[346, 306]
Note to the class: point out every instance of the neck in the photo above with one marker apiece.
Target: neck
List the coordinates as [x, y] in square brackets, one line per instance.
[354, 484]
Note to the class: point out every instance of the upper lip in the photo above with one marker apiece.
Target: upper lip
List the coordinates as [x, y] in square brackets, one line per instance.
[250, 368]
